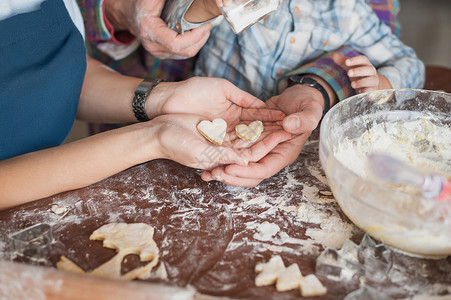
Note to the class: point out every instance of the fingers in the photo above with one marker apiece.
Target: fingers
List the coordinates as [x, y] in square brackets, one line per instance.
[219, 175]
[241, 152]
[272, 163]
[363, 78]
[260, 170]
[264, 115]
[239, 143]
[340, 60]
[255, 172]
[264, 146]
[164, 42]
[231, 156]
[240, 97]
[365, 84]
[362, 73]
[193, 40]
[359, 60]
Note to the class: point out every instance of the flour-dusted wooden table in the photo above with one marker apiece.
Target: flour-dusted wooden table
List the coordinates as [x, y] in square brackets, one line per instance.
[211, 235]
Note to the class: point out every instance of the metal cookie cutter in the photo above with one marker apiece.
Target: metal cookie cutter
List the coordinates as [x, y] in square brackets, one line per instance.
[33, 242]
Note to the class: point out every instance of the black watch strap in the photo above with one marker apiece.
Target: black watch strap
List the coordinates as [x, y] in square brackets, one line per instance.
[141, 94]
[299, 79]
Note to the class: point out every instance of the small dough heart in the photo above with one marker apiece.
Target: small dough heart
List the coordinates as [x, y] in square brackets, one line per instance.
[213, 131]
[249, 133]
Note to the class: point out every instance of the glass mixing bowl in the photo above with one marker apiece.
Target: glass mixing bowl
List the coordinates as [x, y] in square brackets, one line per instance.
[418, 124]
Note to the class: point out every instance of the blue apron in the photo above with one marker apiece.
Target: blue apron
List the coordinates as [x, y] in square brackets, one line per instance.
[42, 66]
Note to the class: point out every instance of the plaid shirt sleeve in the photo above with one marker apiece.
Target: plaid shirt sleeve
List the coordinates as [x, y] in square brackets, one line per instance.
[335, 75]
[92, 11]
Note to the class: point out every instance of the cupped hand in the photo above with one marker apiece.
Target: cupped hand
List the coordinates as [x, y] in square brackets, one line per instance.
[210, 98]
[303, 106]
[282, 155]
[179, 140]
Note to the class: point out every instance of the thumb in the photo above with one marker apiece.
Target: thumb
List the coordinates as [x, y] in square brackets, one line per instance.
[301, 122]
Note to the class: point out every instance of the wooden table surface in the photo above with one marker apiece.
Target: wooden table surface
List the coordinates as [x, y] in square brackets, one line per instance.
[211, 235]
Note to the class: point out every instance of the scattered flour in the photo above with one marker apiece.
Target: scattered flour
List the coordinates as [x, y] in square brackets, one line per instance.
[266, 230]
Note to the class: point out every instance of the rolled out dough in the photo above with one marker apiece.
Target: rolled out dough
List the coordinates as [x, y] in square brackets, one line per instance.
[136, 238]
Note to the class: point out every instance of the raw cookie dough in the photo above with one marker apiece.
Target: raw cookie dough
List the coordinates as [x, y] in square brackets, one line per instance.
[58, 209]
[251, 132]
[290, 278]
[214, 131]
[311, 286]
[127, 239]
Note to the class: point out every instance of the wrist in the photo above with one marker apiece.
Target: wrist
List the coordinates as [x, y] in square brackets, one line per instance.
[158, 97]
[330, 91]
[145, 108]
[320, 93]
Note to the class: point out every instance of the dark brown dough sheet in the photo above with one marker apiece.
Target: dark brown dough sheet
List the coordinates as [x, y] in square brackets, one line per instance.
[211, 235]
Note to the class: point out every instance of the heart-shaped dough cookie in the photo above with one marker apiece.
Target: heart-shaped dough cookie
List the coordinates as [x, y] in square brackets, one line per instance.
[213, 131]
[249, 133]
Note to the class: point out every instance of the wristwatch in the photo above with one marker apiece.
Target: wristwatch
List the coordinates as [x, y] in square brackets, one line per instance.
[141, 94]
[299, 79]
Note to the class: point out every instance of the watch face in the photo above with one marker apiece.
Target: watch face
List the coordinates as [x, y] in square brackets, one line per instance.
[308, 81]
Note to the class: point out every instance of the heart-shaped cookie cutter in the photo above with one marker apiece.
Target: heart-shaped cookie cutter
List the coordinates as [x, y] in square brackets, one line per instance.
[32, 242]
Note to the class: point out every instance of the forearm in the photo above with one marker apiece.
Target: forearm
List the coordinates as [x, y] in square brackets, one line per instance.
[47, 172]
[330, 91]
[106, 95]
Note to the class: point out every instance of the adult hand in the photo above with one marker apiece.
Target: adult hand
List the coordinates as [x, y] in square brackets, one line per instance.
[142, 19]
[179, 140]
[210, 98]
[304, 106]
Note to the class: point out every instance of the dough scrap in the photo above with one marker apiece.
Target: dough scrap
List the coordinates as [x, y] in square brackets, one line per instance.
[214, 131]
[290, 278]
[136, 238]
[268, 272]
[58, 209]
[311, 286]
[251, 132]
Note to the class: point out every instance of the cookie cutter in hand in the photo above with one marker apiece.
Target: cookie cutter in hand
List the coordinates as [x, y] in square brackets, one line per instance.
[33, 242]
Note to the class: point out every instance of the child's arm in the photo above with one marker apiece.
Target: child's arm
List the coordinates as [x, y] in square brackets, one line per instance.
[362, 74]
[393, 59]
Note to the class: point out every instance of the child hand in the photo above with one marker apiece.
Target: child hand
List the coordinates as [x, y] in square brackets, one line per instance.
[363, 75]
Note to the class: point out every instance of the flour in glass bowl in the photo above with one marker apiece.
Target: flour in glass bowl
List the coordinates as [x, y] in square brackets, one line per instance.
[420, 143]
[402, 219]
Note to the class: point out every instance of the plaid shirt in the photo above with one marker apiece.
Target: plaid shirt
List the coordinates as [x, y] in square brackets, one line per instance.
[299, 32]
[141, 64]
